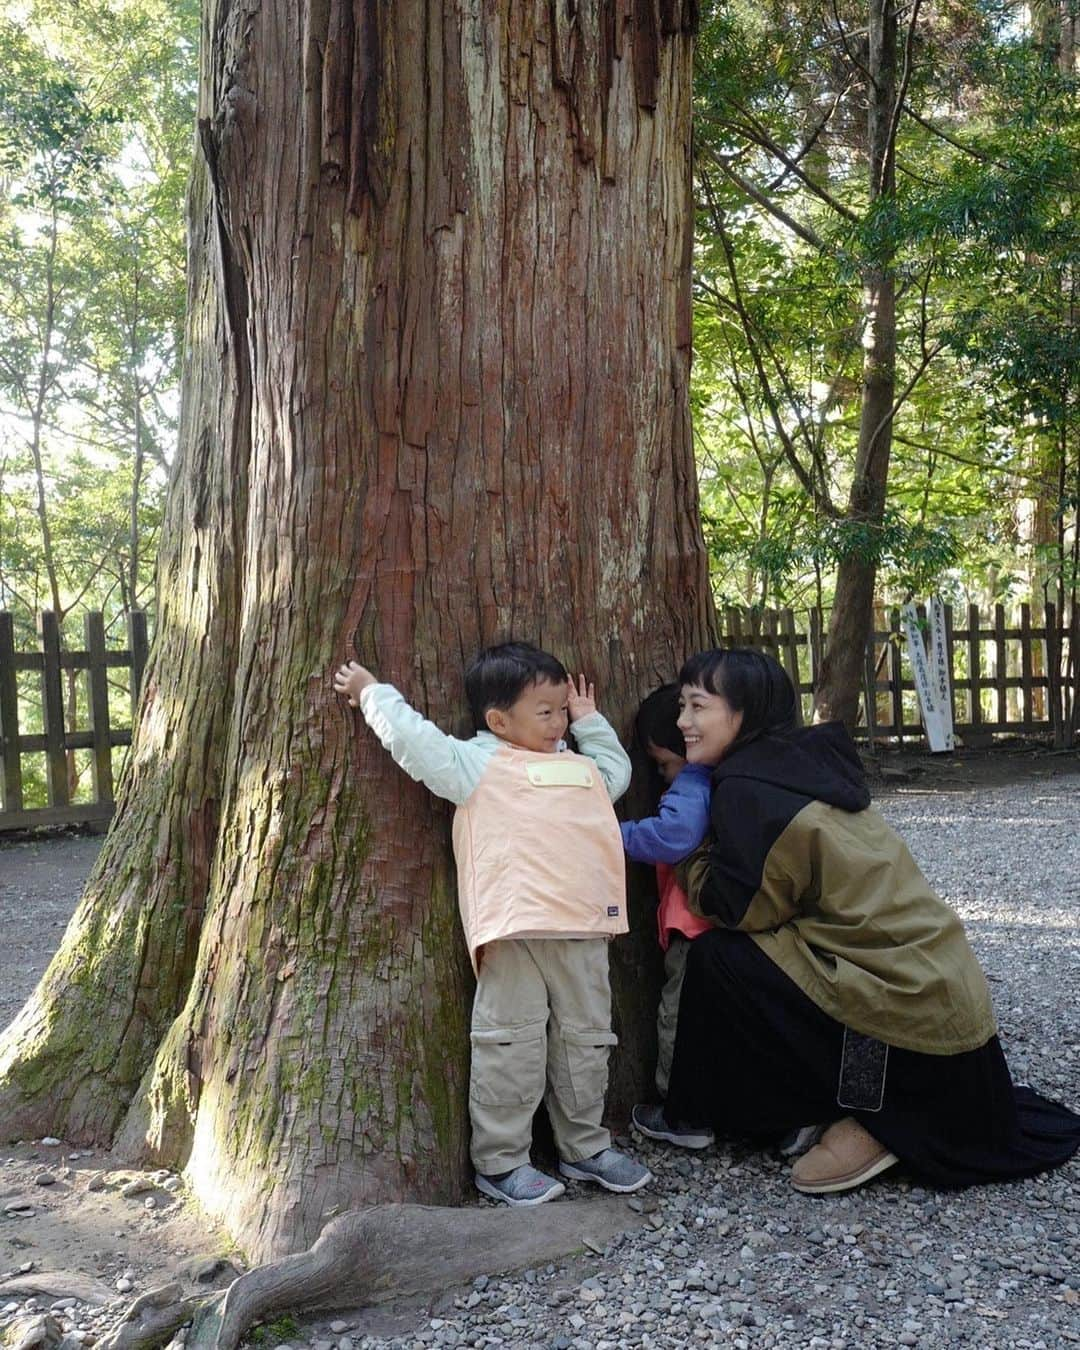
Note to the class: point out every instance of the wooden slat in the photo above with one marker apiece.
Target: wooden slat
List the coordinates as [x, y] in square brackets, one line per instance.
[1028, 714]
[9, 717]
[79, 813]
[791, 658]
[74, 740]
[733, 626]
[1000, 658]
[98, 701]
[52, 704]
[815, 646]
[769, 641]
[974, 668]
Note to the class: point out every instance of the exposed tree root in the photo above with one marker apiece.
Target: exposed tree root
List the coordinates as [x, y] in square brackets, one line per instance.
[371, 1255]
[152, 1319]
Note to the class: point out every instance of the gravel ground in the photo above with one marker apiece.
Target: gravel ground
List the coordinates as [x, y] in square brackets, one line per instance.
[734, 1257]
[40, 881]
[731, 1256]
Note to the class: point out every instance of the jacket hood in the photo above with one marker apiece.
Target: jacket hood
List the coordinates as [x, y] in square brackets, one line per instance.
[819, 762]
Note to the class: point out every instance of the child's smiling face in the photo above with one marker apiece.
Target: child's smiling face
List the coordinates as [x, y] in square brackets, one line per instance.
[536, 720]
[708, 723]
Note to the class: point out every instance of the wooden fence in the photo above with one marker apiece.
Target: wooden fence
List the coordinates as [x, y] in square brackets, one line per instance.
[57, 739]
[1007, 675]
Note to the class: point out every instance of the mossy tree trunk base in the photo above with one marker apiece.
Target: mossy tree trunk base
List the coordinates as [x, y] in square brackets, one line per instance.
[435, 396]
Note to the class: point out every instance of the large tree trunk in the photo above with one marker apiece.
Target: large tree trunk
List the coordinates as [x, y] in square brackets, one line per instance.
[435, 395]
[850, 624]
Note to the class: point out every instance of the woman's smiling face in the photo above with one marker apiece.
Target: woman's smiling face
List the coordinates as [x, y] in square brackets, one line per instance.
[708, 723]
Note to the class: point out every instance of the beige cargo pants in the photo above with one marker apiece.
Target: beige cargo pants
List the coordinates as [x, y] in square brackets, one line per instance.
[541, 1029]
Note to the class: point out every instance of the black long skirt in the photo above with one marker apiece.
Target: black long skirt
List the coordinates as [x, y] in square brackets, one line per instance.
[754, 1057]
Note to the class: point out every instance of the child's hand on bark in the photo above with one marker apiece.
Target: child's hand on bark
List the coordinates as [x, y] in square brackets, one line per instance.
[352, 679]
[580, 698]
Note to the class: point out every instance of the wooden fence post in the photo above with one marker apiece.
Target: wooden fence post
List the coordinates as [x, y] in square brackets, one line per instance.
[974, 666]
[9, 716]
[52, 708]
[98, 700]
[137, 641]
[1028, 715]
[1000, 661]
[791, 658]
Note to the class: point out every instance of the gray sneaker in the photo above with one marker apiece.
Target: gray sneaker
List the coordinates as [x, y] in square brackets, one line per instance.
[651, 1122]
[610, 1169]
[523, 1186]
[799, 1141]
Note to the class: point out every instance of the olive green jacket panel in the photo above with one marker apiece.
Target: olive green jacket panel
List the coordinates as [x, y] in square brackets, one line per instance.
[845, 912]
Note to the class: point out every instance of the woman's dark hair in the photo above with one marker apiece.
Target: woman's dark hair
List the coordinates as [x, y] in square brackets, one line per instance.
[657, 720]
[500, 675]
[752, 683]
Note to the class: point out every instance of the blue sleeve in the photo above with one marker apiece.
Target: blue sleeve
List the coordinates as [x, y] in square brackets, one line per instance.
[679, 826]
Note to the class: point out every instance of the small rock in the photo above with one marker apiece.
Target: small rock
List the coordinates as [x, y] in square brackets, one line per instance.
[644, 1204]
[137, 1187]
[124, 1285]
[209, 1269]
[339, 1328]
[50, 1142]
[96, 1181]
[44, 1179]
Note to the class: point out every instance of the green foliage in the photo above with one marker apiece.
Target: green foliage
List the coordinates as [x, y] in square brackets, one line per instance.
[96, 115]
[983, 236]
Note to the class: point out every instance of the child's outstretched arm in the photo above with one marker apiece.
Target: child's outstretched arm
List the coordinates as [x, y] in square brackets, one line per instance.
[596, 737]
[680, 823]
[449, 767]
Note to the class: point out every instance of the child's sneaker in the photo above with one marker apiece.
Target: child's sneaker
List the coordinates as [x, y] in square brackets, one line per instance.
[610, 1169]
[651, 1122]
[523, 1186]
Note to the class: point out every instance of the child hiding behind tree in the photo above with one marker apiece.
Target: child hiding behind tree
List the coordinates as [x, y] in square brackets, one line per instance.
[679, 826]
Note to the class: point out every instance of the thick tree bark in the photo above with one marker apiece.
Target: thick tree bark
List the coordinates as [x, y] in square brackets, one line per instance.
[435, 395]
[841, 677]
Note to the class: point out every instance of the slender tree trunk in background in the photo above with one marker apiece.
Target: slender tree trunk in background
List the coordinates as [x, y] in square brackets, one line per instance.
[837, 694]
[36, 410]
[138, 458]
[435, 394]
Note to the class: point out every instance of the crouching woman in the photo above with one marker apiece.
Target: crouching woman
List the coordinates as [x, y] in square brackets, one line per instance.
[838, 997]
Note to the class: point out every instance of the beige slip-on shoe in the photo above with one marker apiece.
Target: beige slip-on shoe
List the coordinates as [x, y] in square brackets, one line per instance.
[847, 1156]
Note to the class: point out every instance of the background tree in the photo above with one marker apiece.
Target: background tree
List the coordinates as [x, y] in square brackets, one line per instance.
[985, 148]
[435, 393]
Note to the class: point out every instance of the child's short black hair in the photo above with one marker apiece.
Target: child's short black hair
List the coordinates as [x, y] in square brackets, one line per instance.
[500, 675]
[657, 720]
[753, 683]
